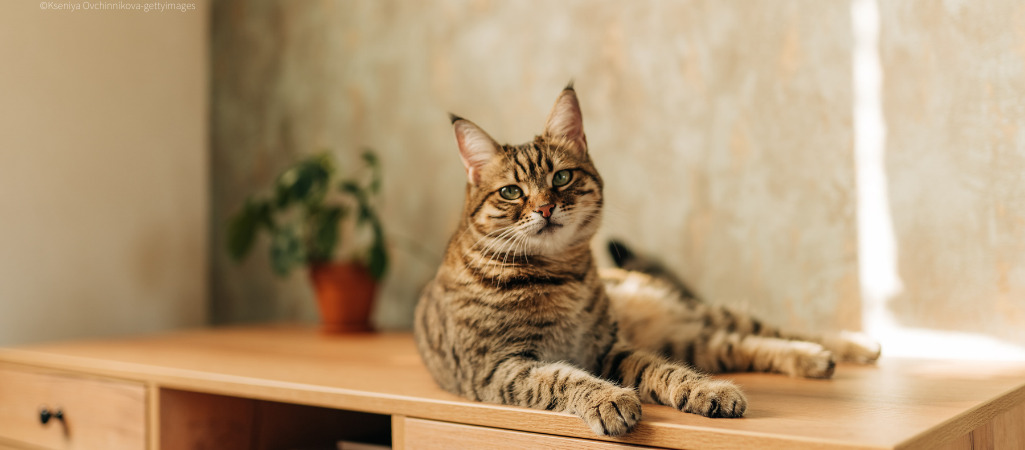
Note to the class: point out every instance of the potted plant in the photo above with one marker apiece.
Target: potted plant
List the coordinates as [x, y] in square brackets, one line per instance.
[306, 215]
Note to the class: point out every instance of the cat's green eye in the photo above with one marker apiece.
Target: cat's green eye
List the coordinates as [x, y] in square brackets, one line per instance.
[511, 192]
[562, 178]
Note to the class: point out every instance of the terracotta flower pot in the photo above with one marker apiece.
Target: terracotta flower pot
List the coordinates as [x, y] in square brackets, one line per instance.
[345, 294]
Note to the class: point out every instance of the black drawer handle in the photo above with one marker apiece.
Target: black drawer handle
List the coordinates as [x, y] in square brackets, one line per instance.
[45, 415]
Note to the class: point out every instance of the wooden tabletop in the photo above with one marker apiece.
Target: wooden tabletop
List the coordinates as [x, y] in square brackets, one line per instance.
[895, 404]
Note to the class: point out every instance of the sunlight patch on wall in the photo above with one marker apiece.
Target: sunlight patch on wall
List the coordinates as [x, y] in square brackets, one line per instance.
[877, 246]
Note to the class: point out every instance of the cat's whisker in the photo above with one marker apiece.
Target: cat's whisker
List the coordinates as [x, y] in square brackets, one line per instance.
[501, 234]
[521, 237]
[510, 248]
[517, 247]
[526, 260]
[501, 240]
[474, 245]
[507, 245]
[499, 250]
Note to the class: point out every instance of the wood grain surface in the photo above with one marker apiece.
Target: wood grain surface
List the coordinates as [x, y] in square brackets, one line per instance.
[896, 404]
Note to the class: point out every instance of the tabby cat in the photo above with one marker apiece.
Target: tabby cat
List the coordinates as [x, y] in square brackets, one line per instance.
[518, 313]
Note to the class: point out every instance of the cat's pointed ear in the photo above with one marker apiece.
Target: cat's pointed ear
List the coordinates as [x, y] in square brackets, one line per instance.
[565, 120]
[476, 148]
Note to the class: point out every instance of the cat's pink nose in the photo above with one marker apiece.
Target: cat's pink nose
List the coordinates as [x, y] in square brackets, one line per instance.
[546, 210]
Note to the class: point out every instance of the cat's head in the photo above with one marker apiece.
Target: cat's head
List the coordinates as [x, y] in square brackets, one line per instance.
[538, 198]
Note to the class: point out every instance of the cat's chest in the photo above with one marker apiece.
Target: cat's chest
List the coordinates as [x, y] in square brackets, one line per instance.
[563, 304]
[569, 323]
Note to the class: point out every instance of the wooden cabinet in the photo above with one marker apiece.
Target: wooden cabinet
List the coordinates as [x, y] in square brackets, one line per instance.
[278, 387]
[95, 413]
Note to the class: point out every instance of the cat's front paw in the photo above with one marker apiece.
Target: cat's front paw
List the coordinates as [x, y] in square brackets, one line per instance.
[715, 398]
[611, 411]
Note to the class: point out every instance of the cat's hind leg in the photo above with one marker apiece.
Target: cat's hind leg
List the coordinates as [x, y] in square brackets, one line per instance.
[723, 351]
[845, 345]
[653, 316]
[848, 346]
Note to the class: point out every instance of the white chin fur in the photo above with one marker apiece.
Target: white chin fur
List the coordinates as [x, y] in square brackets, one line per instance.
[541, 241]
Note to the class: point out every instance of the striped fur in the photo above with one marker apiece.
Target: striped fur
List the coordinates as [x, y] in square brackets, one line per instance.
[659, 313]
[654, 315]
[518, 313]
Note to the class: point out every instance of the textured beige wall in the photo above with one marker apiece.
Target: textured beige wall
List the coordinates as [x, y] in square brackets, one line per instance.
[953, 100]
[723, 131]
[103, 172]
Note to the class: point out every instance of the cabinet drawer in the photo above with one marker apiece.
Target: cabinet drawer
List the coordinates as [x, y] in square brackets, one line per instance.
[429, 435]
[97, 413]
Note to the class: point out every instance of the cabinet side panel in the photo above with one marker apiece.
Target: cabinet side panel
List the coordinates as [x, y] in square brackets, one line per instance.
[1009, 428]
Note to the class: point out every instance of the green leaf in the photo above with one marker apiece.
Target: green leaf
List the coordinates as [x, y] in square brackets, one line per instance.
[241, 235]
[377, 257]
[350, 187]
[377, 260]
[264, 213]
[370, 158]
[305, 181]
[284, 186]
[319, 170]
[362, 201]
[324, 232]
[242, 227]
[286, 250]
